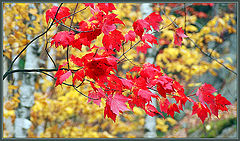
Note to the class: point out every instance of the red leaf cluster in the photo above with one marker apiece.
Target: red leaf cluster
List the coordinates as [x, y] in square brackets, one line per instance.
[208, 102]
[63, 12]
[100, 68]
[178, 36]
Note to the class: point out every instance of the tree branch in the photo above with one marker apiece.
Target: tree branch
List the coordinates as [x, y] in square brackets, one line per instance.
[10, 67]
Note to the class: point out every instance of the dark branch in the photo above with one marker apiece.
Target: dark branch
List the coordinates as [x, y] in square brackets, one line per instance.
[10, 67]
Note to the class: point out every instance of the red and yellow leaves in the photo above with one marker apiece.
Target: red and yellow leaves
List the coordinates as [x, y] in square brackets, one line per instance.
[62, 38]
[178, 36]
[64, 76]
[154, 20]
[76, 60]
[63, 12]
[101, 66]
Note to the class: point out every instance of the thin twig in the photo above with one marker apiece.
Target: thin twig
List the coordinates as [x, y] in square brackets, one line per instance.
[32, 70]
[129, 49]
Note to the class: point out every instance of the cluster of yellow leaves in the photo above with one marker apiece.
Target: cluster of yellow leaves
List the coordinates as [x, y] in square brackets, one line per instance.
[67, 114]
[162, 124]
[187, 60]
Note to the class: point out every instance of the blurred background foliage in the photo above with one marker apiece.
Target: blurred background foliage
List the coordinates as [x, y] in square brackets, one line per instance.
[62, 112]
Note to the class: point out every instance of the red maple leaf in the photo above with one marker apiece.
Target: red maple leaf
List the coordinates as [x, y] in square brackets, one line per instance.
[181, 100]
[79, 75]
[96, 96]
[146, 94]
[178, 36]
[139, 26]
[152, 111]
[136, 100]
[127, 83]
[154, 20]
[143, 48]
[89, 30]
[220, 104]
[204, 94]
[108, 112]
[201, 110]
[135, 68]
[76, 60]
[163, 104]
[171, 109]
[113, 40]
[130, 36]
[64, 76]
[149, 38]
[63, 38]
[63, 12]
[106, 7]
[61, 75]
[108, 24]
[117, 103]
[99, 67]
[164, 85]
[77, 43]
[148, 72]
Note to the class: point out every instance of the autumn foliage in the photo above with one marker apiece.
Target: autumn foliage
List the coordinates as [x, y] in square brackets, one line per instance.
[99, 68]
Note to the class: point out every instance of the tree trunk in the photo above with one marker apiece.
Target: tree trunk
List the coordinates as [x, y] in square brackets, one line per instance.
[150, 122]
[22, 121]
[8, 121]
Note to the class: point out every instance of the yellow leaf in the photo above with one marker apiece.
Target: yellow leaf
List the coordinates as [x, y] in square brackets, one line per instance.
[33, 11]
[12, 87]
[194, 84]
[191, 28]
[229, 59]
[213, 72]
[7, 54]
[9, 105]
[171, 121]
